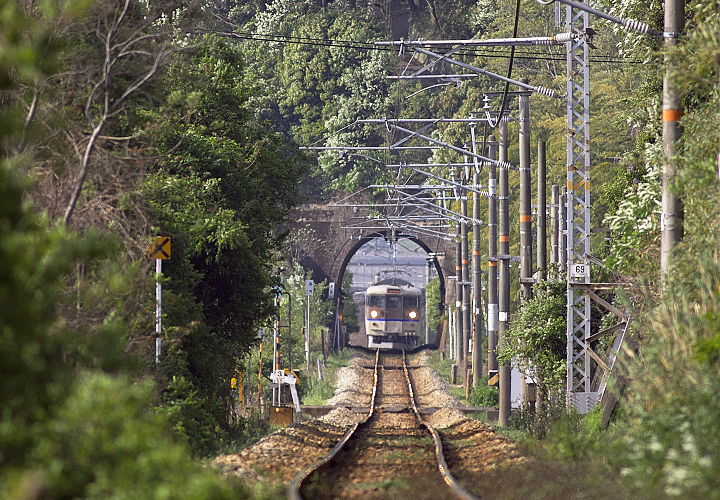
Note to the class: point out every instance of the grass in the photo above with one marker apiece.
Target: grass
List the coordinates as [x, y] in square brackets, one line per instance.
[441, 366]
[316, 391]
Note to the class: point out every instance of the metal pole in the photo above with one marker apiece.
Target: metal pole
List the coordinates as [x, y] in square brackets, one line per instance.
[158, 310]
[289, 330]
[477, 277]
[562, 241]
[459, 353]
[554, 213]
[307, 336]
[541, 212]
[467, 330]
[492, 266]
[672, 211]
[526, 264]
[427, 284]
[523, 85]
[276, 338]
[504, 295]
[259, 379]
[579, 373]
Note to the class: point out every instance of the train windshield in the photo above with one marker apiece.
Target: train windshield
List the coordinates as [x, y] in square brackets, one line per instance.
[376, 300]
[410, 302]
[394, 302]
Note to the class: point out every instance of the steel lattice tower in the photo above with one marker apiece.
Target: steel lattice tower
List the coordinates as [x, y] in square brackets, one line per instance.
[578, 212]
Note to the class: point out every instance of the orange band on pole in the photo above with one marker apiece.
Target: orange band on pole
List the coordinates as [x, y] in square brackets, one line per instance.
[475, 252]
[526, 218]
[504, 239]
[458, 268]
[492, 264]
[672, 115]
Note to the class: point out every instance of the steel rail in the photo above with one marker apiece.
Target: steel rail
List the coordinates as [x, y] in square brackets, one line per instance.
[443, 468]
[295, 487]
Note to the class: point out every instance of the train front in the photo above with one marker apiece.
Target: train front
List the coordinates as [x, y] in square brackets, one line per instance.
[392, 316]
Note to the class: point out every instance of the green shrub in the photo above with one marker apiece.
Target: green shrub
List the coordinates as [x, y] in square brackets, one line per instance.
[670, 440]
[483, 394]
[536, 339]
[105, 443]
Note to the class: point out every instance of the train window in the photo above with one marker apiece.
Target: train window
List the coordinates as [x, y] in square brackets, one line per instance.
[376, 300]
[410, 302]
[394, 302]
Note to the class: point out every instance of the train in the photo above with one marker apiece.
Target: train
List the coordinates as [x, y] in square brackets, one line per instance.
[393, 315]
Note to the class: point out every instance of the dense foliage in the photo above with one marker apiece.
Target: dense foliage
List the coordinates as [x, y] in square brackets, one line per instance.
[222, 183]
[120, 120]
[536, 341]
[71, 425]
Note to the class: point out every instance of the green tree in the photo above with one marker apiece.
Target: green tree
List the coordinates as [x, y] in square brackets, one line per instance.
[70, 427]
[223, 183]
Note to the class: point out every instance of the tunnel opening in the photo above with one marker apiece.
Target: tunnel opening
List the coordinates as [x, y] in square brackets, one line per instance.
[384, 258]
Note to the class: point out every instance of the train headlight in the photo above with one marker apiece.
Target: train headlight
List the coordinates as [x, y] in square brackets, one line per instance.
[412, 314]
[373, 314]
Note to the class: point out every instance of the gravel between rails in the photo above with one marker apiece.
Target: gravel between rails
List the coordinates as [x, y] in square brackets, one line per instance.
[388, 458]
[390, 464]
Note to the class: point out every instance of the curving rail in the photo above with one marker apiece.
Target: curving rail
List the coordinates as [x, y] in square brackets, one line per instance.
[296, 486]
[443, 468]
[293, 492]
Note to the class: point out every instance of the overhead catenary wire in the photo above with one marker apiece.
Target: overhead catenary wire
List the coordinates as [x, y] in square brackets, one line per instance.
[503, 103]
[365, 46]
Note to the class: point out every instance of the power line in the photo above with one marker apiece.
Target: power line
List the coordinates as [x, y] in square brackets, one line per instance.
[325, 42]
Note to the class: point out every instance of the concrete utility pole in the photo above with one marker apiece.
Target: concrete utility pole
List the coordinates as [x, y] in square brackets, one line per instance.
[477, 276]
[526, 264]
[672, 211]
[526, 253]
[562, 242]
[542, 212]
[492, 264]
[466, 328]
[504, 295]
[459, 351]
[554, 215]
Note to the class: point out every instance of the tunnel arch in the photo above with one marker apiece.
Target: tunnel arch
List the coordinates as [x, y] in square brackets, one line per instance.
[355, 245]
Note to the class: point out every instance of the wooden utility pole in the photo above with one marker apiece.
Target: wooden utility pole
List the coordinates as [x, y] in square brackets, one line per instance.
[671, 218]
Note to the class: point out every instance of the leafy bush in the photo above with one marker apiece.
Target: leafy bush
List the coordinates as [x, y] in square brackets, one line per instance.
[483, 394]
[104, 443]
[433, 307]
[537, 336]
[670, 440]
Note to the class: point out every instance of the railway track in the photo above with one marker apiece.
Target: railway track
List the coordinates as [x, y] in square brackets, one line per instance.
[393, 451]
